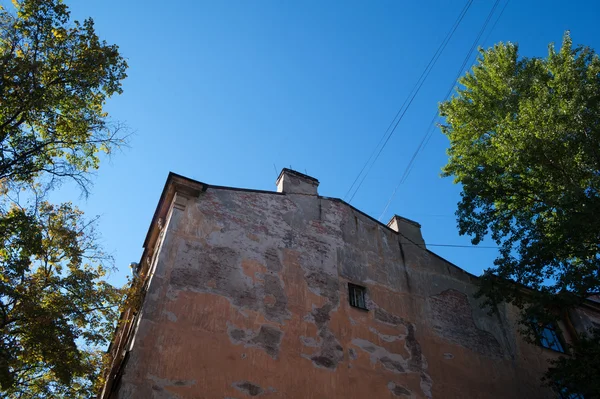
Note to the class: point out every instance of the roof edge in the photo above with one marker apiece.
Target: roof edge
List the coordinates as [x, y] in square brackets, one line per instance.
[176, 182]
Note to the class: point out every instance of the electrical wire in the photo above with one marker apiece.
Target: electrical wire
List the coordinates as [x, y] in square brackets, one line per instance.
[454, 246]
[429, 131]
[495, 23]
[405, 105]
[411, 242]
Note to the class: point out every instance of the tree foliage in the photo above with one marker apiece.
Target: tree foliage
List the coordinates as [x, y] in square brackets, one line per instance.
[54, 80]
[571, 375]
[56, 309]
[525, 146]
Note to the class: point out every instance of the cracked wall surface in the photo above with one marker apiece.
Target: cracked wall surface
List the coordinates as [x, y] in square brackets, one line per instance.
[248, 297]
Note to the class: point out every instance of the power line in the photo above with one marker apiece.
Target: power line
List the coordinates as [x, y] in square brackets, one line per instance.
[445, 245]
[431, 127]
[407, 102]
[459, 246]
[414, 93]
[495, 23]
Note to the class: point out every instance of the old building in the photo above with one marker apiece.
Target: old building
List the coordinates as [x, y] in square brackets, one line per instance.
[289, 294]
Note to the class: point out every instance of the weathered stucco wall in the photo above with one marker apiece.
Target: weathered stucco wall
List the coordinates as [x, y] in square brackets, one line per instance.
[248, 297]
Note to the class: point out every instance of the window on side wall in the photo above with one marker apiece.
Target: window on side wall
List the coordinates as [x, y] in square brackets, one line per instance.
[571, 396]
[549, 337]
[356, 296]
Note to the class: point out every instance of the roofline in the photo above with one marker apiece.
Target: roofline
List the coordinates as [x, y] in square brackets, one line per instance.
[163, 196]
[174, 179]
[172, 176]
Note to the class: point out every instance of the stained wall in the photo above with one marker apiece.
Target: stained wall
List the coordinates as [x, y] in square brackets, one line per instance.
[247, 296]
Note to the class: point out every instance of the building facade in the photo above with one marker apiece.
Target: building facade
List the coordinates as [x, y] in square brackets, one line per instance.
[289, 294]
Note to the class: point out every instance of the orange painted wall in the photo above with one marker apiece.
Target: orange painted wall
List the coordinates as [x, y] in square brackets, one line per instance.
[248, 297]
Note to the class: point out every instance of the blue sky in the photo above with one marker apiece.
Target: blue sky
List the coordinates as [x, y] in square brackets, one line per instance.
[230, 92]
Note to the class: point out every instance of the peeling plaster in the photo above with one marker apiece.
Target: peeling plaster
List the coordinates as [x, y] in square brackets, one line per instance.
[330, 351]
[398, 390]
[268, 338]
[395, 362]
[453, 321]
[237, 246]
[248, 388]
[218, 270]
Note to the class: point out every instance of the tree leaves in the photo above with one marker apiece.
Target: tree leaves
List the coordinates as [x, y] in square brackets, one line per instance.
[525, 145]
[571, 375]
[54, 81]
[52, 296]
[56, 309]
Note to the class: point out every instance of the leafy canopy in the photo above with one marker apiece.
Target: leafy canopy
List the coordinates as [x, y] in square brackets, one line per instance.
[577, 374]
[525, 146]
[56, 308]
[54, 80]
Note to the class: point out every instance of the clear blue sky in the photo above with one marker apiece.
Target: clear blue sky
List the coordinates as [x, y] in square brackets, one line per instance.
[221, 91]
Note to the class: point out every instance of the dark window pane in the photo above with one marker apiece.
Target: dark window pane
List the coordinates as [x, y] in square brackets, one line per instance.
[356, 296]
[549, 339]
[564, 395]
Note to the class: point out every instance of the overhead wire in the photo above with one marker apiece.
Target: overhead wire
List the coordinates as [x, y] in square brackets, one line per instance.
[432, 124]
[431, 127]
[411, 242]
[495, 23]
[405, 105]
[455, 246]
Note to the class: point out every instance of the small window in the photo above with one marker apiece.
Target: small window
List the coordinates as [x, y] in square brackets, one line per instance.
[571, 396]
[356, 296]
[548, 337]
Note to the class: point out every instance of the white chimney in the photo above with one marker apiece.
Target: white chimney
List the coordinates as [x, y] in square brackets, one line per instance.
[292, 182]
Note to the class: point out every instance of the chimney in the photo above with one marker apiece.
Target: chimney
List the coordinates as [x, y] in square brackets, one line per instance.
[410, 231]
[292, 182]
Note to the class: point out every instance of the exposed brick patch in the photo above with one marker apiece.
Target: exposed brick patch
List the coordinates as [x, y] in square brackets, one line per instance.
[330, 351]
[274, 299]
[391, 364]
[268, 338]
[272, 260]
[248, 388]
[390, 361]
[161, 383]
[385, 317]
[453, 321]
[415, 361]
[352, 354]
[219, 270]
[398, 390]
[324, 285]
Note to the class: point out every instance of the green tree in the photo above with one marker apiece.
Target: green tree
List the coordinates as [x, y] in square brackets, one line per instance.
[525, 146]
[56, 308]
[572, 375]
[54, 80]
